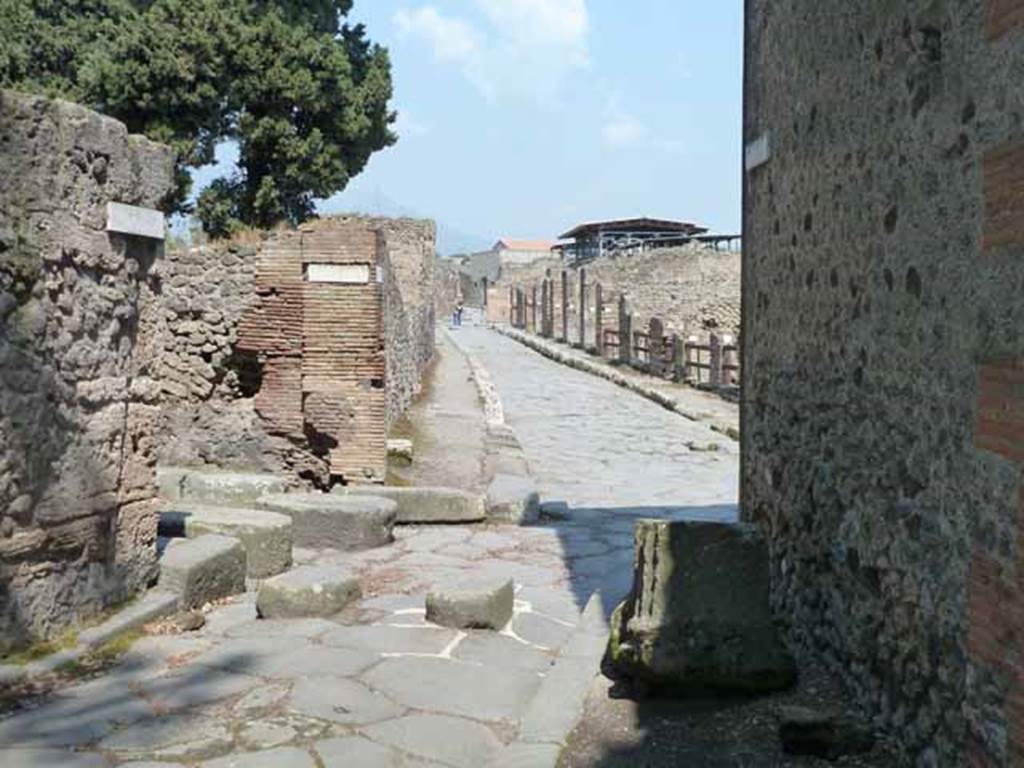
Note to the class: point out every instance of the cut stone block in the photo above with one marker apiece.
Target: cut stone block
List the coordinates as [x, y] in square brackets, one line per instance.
[486, 606]
[698, 616]
[427, 505]
[266, 536]
[153, 605]
[322, 520]
[231, 487]
[830, 735]
[512, 499]
[203, 569]
[308, 591]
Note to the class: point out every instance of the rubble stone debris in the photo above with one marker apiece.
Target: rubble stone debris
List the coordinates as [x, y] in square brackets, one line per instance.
[698, 615]
[203, 569]
[347, 523]
[486, 606]
[309, 591]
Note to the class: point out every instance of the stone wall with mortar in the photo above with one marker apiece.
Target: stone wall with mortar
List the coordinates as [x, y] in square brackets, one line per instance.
[265, 370]
[883, 414]
[78, 405]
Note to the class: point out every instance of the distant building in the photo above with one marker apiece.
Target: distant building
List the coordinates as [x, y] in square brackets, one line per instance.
[589, 241]
[522, 251]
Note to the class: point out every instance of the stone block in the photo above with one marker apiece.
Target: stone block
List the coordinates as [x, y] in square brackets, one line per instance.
[400, 451]
[512, 499]
[266, 536]
[821, 733]
[321, 520]
[309, 591]
[698, 616]
[203, 569]
[426, 505]
[487, 605]
[231, 487]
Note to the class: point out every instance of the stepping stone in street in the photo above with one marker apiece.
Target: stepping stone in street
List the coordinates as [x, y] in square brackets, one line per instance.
[266, 536]
[512, 499]
[488, 605]
[308, 591]
[418, 504]
[203, 569]
[323, 520]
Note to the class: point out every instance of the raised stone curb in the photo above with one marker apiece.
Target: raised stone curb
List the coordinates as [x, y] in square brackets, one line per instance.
[266, 536]
[227, 488]
[335, 521]
[425, 505]
[307, 592]
[609, 373]
[488, 605]
[512, 499]
[203, 569]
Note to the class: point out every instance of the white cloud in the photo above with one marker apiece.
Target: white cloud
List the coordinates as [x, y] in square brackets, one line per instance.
[525, 47]
[407, 125]
[622, 131]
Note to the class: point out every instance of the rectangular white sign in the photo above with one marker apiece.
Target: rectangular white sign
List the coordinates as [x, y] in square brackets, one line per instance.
[133, 220]
[347, 274]
[758, 152]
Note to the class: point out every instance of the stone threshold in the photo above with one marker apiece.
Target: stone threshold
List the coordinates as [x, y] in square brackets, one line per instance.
[633, 381]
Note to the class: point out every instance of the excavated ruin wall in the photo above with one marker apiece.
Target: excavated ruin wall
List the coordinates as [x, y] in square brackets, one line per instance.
[883, 414]
[78, 405]
[227, 336]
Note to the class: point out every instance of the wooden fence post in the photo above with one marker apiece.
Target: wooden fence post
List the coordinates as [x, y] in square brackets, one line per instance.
[690, 373]
[583, 308]
[551, 308]
[656, 346]
[716, 360]
[598, 320]
[625, 332]
[678, 366]
[533, 308]
[730, 357]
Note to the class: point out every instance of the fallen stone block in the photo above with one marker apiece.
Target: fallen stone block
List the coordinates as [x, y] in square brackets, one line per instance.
[830, 735]
[266, 536]
[426, 505]
[486, 606]
[698, 616]
[231, 487]
[323, 520]
[203, 569]
[309, 591]
[400, 451]
[512, 499]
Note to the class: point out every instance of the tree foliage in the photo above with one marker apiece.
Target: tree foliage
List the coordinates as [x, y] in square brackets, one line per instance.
[304, 94]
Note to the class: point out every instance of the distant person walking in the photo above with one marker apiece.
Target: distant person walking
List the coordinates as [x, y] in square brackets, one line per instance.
[457, 316]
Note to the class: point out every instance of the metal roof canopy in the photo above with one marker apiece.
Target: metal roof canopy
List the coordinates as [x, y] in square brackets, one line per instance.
[633, 227]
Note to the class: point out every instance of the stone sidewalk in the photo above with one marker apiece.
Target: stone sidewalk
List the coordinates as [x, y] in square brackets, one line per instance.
[374, 686]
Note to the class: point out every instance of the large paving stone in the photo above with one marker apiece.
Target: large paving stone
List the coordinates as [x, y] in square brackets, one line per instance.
[698, 616]
[203, 569]
[345, 702]
[357, 752]
[493, 650]
[174, 737]
[195, 686]
[48, 758]
[384, 639]
[266, 536]
[454, 687]
[282, 757]
[512, 499]
[347, 523]
[426, 505]
[448, 740]
[308, 591]
[485, 605]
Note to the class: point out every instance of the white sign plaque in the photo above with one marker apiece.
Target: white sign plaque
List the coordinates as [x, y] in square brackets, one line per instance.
[133, 220]
[346, 274]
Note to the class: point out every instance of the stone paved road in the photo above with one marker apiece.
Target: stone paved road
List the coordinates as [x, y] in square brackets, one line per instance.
[594, 444]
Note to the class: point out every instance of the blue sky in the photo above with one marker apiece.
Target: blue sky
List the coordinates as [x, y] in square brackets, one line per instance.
[521, 118]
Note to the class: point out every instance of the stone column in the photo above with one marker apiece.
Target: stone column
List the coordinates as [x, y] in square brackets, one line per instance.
[625, 332]
[598, 320]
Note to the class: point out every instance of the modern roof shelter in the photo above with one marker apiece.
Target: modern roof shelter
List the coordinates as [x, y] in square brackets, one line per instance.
[601, 237]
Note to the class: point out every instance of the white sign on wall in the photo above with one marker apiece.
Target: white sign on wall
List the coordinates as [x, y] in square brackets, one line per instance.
[758, 152]
[345, 274]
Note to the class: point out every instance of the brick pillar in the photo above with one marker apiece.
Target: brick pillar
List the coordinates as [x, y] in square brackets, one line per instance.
[716, 360]
[598, 320]
[625, 332]
[565, 306]
[583, 309]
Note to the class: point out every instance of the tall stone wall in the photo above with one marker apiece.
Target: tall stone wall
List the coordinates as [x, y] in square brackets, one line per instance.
[78, 406]
[883, 414]
[266, 368]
